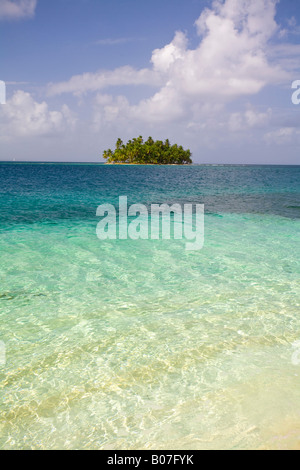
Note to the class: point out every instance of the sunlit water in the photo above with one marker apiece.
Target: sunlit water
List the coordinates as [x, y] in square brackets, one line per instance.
[141, 344]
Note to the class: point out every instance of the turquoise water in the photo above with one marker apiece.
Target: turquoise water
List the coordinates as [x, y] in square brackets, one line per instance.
[124, 344]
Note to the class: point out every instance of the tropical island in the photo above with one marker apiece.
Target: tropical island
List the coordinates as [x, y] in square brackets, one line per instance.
[151, 152]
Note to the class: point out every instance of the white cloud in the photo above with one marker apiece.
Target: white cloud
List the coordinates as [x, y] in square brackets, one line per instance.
[234, 59]
[283, 136]
[250, 119]
[199, 97]
[230, 61]
[255, 18]
[109, 109]
[163, 59]
[89, 82]
[23, 117]
[16, 9]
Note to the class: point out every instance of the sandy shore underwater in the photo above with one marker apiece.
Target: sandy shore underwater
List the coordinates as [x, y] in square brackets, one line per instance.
[124, 344]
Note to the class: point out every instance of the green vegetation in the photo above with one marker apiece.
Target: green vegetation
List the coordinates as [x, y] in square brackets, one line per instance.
[148, 153]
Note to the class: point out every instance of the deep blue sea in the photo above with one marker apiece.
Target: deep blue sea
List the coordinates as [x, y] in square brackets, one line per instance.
[140, 344]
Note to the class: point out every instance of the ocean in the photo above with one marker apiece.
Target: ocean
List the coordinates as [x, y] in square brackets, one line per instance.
[141, 344]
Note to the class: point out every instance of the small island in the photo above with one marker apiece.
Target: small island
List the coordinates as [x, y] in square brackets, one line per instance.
[151, 152]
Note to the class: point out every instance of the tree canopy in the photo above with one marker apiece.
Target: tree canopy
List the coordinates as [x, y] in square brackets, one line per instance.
[148, 153]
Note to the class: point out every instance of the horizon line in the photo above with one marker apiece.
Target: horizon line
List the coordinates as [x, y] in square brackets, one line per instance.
[138, 164]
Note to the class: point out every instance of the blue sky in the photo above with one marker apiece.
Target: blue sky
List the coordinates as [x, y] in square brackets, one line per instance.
[213, 76]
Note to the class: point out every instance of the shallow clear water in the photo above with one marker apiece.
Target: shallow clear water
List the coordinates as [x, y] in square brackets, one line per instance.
[140, 344]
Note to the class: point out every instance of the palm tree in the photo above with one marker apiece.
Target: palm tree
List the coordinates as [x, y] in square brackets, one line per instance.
[149, 152]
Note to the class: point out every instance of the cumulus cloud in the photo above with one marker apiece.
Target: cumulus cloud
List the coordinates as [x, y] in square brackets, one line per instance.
[16, 9]
[230, 61]
[22, 116]
[233, 59]
[163, 59]
[200, 93]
